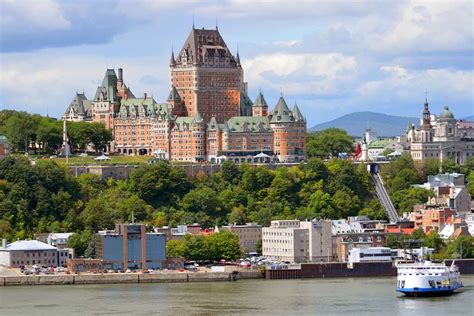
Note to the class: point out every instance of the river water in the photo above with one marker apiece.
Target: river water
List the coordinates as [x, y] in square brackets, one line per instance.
[357, 296]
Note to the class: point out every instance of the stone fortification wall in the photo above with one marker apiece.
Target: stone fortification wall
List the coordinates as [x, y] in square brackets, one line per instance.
[126, 278]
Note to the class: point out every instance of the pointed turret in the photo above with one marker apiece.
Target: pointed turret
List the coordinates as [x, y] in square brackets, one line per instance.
[198, 117]
[174, 95]
[212, 125]
[172, 61]
[260, 107]
[426, 114]
[297, 114]
[281, 113]
[237, 59]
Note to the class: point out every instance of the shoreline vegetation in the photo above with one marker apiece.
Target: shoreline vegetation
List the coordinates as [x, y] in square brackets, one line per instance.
[46, 197]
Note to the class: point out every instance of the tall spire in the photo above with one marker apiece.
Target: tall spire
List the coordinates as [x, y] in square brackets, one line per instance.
[237, 58]
[426, 112]
[172, 61]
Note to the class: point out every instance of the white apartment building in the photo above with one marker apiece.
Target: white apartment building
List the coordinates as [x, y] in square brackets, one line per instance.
[296, 242]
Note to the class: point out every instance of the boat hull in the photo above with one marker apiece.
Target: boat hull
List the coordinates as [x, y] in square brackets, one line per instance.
[423, 292]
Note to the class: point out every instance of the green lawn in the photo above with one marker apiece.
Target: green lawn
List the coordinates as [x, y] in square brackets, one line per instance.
[76, 160]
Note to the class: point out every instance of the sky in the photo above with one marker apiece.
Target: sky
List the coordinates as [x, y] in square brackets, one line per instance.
[330, 57]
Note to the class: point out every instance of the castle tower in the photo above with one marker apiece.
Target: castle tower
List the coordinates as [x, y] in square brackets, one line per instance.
[207, 76]
[260, 107]
[425, 126]
[289, 128]
[175, 104]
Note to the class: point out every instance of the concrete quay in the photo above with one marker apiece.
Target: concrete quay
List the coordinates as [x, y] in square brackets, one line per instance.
[130, 278]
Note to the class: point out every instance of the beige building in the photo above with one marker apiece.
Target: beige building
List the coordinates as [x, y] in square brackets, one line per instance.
[296, 242]
[249, 235]
[440, 137]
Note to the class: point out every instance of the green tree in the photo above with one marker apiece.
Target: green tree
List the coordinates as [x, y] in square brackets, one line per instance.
[392, 242]
[449, 166]
[433, 240]
[100, 136]
[418, 234]
[49, 134]
[175, 248]
[461, 247]
[230, 172]
[202, 199]
[470, 183]
[19, 129]
[226, 244]
[80, 242]
[238, 215]
[430, 167]
[159, 184]
[328, 143]
[321, 203]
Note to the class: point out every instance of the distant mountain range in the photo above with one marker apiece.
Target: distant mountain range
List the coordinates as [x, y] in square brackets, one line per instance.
[382, 124]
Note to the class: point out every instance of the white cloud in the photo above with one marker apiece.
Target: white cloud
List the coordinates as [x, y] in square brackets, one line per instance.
[19, 16]
[430, 26]
[36, 83]
[401, 84]
[300, 73]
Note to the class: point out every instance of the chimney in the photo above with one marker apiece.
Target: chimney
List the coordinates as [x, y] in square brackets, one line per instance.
[120, 74]
[4, 243]
[144, 96]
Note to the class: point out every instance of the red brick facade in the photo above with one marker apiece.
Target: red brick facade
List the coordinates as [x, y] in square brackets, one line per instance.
[207, 116]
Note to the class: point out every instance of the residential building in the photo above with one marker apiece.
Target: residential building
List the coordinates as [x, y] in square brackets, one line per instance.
[343, 243]
[450, 191]
[431, 217]
[5, 148]
[28, 253]
[295, 241]
[59, 240]
[455, 227]
[129, 246]
[208, 114]
[404, 227]
[440, 137]
[249, 235]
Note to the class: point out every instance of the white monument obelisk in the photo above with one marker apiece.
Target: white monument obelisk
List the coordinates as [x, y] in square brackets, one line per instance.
[65, 150]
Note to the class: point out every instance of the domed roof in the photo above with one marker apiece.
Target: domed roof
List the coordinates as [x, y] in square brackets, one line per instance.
[446, 114]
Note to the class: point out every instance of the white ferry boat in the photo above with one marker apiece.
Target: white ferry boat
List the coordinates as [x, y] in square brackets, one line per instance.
[426, 278]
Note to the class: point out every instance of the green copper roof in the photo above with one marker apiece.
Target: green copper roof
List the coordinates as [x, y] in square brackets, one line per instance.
[379, 143]
[108, 88]
[183, 122]
[174, 95]
[281, 113]
[260, 100]
[245, 105]
[446, 114]
[297, 114]
[248, 124]
[148, 107]
[79, 105]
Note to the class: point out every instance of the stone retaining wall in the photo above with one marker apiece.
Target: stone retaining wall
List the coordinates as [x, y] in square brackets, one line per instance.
[126, 278]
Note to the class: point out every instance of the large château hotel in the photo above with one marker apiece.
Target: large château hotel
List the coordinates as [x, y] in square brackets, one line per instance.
[208, 114]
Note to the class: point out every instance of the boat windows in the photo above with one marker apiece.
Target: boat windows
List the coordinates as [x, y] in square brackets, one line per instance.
[432, 283]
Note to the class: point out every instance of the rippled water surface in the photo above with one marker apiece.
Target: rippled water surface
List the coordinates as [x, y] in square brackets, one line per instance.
[360, 296]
